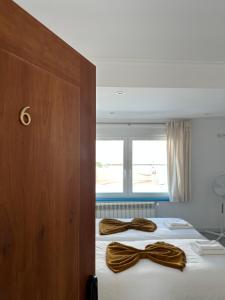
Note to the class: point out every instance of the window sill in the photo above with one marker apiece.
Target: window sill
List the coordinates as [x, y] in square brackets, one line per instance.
[129, 199]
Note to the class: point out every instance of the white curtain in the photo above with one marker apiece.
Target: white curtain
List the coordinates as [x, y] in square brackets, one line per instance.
[178, 160]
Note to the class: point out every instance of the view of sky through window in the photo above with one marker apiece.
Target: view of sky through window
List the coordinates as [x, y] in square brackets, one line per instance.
[109, 166]
[148, 167]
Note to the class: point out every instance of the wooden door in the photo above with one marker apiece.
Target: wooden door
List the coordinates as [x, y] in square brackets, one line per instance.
[47, 194]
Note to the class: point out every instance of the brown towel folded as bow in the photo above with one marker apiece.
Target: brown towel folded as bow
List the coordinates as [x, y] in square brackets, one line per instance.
[109, 226]
[120, 257]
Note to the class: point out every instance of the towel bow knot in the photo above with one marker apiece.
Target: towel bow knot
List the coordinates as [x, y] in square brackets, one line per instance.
[110, 226]
[120, 257]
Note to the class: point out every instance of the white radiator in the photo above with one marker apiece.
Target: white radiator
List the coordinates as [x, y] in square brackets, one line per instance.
[126, 210]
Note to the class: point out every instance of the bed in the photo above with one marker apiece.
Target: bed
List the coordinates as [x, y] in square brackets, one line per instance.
[162, 232]
[202, 279]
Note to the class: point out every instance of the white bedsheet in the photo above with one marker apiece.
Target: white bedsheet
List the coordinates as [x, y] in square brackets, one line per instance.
[162, 232]
[202, 279]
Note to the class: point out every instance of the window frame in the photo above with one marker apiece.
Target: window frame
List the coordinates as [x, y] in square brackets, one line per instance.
[114, 195]
[132, 194]
[128, 138]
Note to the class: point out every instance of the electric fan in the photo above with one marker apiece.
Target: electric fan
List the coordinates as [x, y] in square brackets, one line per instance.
[219, 189]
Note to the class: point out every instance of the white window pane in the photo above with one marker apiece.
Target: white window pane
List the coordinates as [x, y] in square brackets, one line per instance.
[109, 166]
[149, 167]
[149, 152]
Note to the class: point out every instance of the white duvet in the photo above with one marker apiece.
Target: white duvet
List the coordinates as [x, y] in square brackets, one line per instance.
[202, 279]
[162, 232]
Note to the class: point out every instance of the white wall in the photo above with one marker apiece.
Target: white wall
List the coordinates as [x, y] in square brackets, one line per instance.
[208, 161]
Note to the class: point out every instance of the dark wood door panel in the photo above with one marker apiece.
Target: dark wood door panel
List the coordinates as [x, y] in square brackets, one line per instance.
[47, 169]
[87, 174]
[39, 184]
[24, 36]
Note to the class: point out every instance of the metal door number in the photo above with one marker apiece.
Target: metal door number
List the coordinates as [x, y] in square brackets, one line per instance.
[25, 117]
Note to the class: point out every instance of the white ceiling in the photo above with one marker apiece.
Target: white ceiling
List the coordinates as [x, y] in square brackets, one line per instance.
[168, 55]
[159, 30]
[144, 104]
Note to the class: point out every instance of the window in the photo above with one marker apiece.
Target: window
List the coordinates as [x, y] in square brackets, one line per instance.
[129, 167]
[109, 166]
[149, 167]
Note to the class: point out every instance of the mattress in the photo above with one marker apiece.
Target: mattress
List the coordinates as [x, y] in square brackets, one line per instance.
[202, 279]
[162, 232]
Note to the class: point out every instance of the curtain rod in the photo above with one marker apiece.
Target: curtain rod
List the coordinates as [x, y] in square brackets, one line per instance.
[131, 123]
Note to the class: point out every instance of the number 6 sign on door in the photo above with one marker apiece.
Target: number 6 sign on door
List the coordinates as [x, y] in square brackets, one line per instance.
[25, 117]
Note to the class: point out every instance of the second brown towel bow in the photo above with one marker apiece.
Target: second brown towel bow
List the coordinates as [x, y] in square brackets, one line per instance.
[110, 226]
[120, 257]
